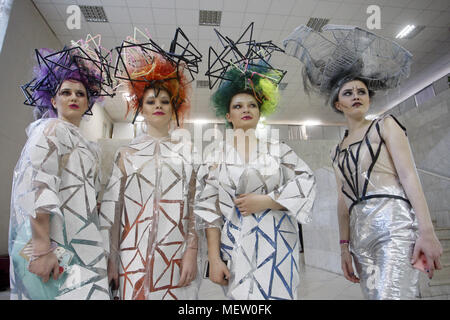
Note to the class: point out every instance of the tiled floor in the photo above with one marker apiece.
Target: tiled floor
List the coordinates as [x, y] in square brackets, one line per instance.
[315, 284]
[4, 295]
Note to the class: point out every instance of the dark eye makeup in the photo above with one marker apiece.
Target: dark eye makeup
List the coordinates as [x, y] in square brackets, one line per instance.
[349, 92]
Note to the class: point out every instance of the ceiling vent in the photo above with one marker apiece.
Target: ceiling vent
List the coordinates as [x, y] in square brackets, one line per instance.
[210, 18]
[317, 23]
[202, 84]
[94, 13]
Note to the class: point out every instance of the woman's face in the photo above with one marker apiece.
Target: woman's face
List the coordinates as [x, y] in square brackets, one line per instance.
[71, 101]
[353, 98]
[157, 108]
[243, 112]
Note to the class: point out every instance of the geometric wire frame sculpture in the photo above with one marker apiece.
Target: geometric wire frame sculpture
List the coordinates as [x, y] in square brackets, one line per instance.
[182, 54]
[340, 52]
[81, 61]
[242, 54]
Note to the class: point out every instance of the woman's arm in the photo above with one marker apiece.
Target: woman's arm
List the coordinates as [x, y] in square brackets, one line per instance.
[47, 162]
[45, 262]
[400, 151]
[250, 203]
[296, 196]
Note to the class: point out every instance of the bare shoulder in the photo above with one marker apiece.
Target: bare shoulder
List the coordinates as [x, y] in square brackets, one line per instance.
[391, 128]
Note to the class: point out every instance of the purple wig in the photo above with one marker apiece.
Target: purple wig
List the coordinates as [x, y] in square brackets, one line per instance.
[53, 68]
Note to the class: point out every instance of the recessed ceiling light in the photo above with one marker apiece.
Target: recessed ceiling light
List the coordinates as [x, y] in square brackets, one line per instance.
[405, 31]
[414, 32]
[201, 121]
[311, 123]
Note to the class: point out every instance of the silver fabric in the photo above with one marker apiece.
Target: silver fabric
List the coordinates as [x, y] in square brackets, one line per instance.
[264, 246]
[383, 229]
[383, 232]
[58, 174]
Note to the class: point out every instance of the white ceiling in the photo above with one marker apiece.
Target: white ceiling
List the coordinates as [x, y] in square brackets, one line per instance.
[274, 20]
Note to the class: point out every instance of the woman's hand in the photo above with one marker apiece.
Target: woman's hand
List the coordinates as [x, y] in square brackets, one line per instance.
[218, 271]
[428, 244]
[188, 270]
[249, 203]
[347, 265]
[44, 266]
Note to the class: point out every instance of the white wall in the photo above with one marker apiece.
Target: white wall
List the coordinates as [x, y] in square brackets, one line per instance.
[321, 235]
[26, 31]
[428, 128]
[123, 130]
[96, 126]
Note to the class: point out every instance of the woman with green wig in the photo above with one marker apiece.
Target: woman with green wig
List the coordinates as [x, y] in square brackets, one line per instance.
[252, 193]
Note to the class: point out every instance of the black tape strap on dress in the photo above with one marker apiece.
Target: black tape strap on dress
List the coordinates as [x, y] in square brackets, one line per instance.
[355, 161]
[342, 171]
[347, 162]
[374, 160]
[341, 168]
[347, 195]
[366, 139]
[379, 132]
[373, 196]
[336, 152]
[399, 124]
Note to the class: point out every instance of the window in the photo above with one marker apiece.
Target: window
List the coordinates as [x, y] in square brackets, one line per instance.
[425, 94]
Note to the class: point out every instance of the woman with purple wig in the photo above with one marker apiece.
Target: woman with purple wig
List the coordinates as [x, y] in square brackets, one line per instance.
[55, 242]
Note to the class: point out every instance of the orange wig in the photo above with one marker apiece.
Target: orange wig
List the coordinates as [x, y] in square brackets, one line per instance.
[147, 69]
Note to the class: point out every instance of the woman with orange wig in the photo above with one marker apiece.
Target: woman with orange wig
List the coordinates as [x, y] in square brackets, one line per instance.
[147, 201]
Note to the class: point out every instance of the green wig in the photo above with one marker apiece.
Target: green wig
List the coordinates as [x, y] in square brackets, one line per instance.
[257, 80]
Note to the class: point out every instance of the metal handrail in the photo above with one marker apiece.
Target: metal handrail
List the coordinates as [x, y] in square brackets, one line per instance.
[433, 174]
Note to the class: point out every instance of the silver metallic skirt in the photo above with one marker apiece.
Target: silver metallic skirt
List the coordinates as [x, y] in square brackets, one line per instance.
[382, 236]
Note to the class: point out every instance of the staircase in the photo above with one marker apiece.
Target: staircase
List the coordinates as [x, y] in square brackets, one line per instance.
[439, 286]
